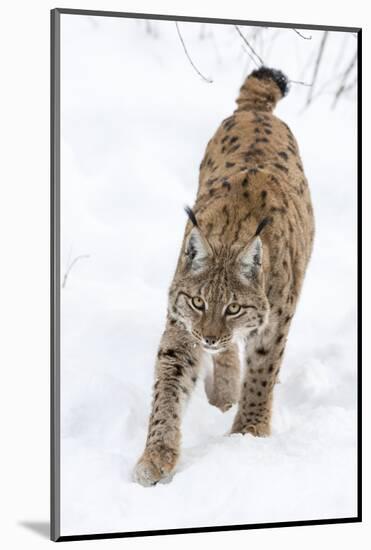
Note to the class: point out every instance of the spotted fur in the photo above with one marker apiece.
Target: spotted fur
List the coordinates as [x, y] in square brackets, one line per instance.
[246, 245]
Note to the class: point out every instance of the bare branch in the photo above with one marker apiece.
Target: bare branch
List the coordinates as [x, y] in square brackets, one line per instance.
[325, 88]
[302, 35]
[317, 65]
[343, 82]
[340, 56]
[300, 82]
[308, 63]
[250, 55]
[351, 85]
[68, 270]
[249, 46]
[189, 57]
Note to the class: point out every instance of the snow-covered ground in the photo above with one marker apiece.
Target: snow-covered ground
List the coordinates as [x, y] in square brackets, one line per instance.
[135, 121]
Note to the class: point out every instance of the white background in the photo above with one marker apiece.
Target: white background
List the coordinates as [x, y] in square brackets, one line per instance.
[24, 275]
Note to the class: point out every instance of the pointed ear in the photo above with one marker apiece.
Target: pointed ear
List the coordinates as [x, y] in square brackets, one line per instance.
[197, 250]
[251, 259]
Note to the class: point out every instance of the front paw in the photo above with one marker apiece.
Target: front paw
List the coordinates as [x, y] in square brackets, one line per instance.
[223, 398]
[156, 464]
[222, 404]
[258, 429]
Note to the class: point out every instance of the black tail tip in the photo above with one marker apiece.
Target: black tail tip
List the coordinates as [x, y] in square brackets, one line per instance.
[264, 73]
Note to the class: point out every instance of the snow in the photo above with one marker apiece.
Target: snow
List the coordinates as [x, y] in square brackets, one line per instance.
[135, 122]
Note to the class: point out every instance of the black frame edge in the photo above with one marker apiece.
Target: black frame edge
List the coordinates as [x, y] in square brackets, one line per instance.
[359, 272]
[115, 535]
[54, 274]
[195, 19]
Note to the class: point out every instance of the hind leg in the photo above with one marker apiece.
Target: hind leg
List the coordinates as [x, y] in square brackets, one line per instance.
[224, 390]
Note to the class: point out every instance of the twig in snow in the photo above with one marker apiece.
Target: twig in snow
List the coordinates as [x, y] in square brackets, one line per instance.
[302, 35]
[249, 46]
[68, 270]
[317, 65]
[189, 57]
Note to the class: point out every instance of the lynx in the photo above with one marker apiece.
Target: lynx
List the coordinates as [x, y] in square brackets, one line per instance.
[246, 247]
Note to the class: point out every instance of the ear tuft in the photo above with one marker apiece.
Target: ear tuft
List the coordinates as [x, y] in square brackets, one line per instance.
[196, 250]
[262, 224]
[251, 258]
[191, 215]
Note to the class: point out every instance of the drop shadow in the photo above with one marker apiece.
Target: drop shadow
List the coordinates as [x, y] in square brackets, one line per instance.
[42, 528]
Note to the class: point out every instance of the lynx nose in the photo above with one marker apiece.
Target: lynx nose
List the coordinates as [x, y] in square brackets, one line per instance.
[210, 340]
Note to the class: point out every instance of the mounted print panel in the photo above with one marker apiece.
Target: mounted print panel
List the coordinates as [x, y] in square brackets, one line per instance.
[204, 189]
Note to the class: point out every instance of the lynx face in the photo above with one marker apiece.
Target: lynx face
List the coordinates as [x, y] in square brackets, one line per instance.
[219, 296]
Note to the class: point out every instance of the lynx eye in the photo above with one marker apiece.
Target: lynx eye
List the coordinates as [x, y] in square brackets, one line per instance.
[233, 309]
[198, 303]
